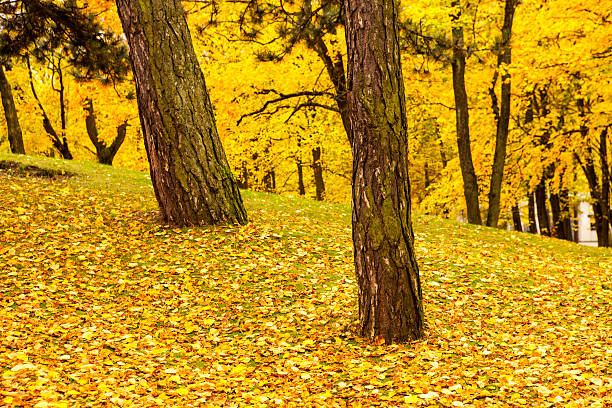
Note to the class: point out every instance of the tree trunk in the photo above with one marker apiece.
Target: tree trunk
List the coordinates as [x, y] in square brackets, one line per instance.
[317, 169]
[300, 171]
[504, 59]
[61, 144]
[566, 218]
[555, 207]
[533, 227]
[390, 298]
[604, 198]
[542, 210]
[516, 218]
[15, 136]
[191, 177]
[105, 154]
[470, 182]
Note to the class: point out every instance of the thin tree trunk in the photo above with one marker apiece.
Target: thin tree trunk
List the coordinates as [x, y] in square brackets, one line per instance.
[191, 177]
[470, 182]
[516, 218]
[533, 227]
[543, 219]
[566, 219]
[300, 170]
[317, 169]
[504, 59]
[604, 198]
[390, 298]
[13, 128]
[61, 144]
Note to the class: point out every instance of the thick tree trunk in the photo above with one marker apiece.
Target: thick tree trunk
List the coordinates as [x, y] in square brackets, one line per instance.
[502, 115]
[516, 218]
[533, 226]
[13, 128]
[191, 177]
[543, 219]
[390, 298]
[105, 154]
[317, 169]
[470, 182]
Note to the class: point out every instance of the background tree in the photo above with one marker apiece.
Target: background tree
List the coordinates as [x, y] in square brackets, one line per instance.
[191, 177]
[390, 298]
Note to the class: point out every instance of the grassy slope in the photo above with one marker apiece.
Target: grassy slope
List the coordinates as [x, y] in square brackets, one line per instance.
[100, 305]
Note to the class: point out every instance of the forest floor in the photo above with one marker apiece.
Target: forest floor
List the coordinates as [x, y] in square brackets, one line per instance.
[102, 306]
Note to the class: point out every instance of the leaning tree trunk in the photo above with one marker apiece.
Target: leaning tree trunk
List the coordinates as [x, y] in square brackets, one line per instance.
[502, 115]
[191, 177]
[390, 298]
[15, 136]
[470, 182]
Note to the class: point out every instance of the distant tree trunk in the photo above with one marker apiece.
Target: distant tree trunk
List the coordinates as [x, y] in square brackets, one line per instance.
[13, 128]
[104, 153]
[543, 219]
[604, 199]
[555, 207]
[243, 181]
[533, 227]
[502, 113]
[300, 171]
[566, 219]
[317, 169]
[516, 218]
[390, 298]
[269, 181]
[427, 181]
[60, 143]
[191, 177]
[470, 182]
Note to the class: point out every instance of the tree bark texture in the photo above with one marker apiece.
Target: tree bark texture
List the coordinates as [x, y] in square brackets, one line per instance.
[470, 182]
[105, 154]
[15, 135]
[390, 298]
[504, 59]
[317, 169]
[191, 177]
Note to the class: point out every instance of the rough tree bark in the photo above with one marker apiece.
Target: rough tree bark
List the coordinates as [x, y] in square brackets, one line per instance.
[191, 177]
[317, 169]
[470, 182]
[390, 298]
[604, 198]
[105, 154]
[502, 114]
[15, 135]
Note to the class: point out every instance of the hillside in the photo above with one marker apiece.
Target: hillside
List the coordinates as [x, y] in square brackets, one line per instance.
[100, 305]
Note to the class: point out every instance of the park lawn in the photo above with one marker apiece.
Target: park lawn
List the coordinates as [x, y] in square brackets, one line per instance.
[102, 306]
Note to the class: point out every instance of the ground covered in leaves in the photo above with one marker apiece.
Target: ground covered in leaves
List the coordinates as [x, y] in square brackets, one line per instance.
[101, 306]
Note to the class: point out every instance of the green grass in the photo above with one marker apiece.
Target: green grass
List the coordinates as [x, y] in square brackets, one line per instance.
[101, 305]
